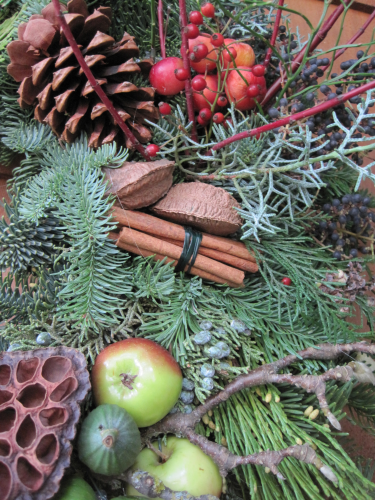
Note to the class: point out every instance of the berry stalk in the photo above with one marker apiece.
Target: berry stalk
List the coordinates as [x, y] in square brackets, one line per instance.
[295, 64]
[161, 29]
[274, 34]
[331, 103]
[185, 59]
[101, 94]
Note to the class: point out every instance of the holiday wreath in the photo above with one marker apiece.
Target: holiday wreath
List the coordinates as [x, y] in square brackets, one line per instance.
[186, 221]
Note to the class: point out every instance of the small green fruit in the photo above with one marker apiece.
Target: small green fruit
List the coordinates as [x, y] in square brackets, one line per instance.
[74, 488]
[109, 441]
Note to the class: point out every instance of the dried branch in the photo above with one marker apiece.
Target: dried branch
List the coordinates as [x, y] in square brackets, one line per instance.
[297, 116]
[274, 34]
[162, 34]
[95, 85]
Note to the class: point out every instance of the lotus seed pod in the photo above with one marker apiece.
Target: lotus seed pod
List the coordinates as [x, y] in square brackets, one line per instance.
[314, 414]
[218, 351]
[187, 397]
[207, 383]
[202, 337]
[205, 325]
[44, 339]
[207, 370]
[308, 411]
[187, 385]
[238, 325]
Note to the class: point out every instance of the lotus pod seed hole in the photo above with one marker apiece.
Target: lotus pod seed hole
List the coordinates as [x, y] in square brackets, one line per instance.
[32, 396]
[5, 396]
[5, 481]
[4, 448]
[55, 368]
[26, 369]
[26, 432]
[64, 390]
[53, 416]
[4, 374]
[128, 380]
[29, 475]
[47, 449]
[7, 419]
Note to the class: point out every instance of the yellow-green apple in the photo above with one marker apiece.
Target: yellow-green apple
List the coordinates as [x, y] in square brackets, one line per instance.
[236, 86]
[186, 468]
[140, 376]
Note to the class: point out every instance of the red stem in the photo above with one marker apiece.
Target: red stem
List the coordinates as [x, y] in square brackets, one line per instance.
[319, 37]
[100, 92]
[161, 29]
[274, 34]
[297, 116]
[185, 59]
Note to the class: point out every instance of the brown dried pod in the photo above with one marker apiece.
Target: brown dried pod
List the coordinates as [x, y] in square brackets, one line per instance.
[204, 206]
[53, 82]
[137, 184]
[40, 392]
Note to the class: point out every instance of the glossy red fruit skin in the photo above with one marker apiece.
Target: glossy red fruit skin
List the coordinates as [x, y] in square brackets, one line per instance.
[229, 54]
[193, 57]
[181, 74]
[196, 17]
[202, 122]
[217, 39]
[162, 76]
[286, 281]
[198, 83]
[218, 118]
[222, 101]
[204, 65]
[253, 91]
[208, 10]
[152, 150]
[200, 51]
[209, 93]
[245, 54]
[165, 108]
[259, 70]
[205, 114]
[236, 88]
[192, 31]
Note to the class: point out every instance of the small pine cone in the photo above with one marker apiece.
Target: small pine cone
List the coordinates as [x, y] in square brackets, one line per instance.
[52, 80]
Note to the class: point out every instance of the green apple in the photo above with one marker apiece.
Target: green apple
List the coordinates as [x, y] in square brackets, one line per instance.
[187, 468]
[74, 488]
[140, 376]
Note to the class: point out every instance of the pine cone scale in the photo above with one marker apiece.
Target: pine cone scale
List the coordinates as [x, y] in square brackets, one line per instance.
[39, 70]
[78, 7]
[61, 75]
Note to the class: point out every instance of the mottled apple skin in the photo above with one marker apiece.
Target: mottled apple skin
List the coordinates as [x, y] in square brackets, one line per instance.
[210, 92]
[205, 64]
[236, 87]
[186, 469]
[155, 388]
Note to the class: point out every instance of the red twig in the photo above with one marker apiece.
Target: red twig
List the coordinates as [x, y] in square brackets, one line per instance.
[319, 37]
[297, 116]
[360, 32]
[100, 92]
[161, 29]
[184, 52]
[274, 34]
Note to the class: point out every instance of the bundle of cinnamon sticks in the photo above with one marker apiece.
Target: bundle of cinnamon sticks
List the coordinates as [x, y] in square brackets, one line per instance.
[219, 259]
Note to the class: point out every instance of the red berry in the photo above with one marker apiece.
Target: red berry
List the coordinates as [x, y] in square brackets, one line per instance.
[162, 76]
[286, 281]
[222, 101]
[181, 74]
[200, 51]
[196, 17]
[205, 114]
[165, 108]
[218, 118]
[202, 122]
[198, 83]
[152, 150]
[193, 57]
[258, 70]
[192, 31]
[230, 53]
[208, 10]
[217, 39]
[253, 91]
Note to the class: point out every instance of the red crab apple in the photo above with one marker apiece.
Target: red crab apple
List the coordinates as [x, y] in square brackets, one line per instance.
[163, 78]
[245, 54]
[140, 376]
[236, 87]
[204, 64]
[186, 468]
[209, 93]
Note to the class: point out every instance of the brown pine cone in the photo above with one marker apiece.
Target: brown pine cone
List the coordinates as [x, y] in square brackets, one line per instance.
[52, 80]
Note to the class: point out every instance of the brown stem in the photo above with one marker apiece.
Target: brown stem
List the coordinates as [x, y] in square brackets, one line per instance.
[162, 34]
[274, 34]
[95, 85]
[185, 59]
[297, 116]
[319, 37]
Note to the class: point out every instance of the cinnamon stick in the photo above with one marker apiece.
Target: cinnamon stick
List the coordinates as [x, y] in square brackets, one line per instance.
[194, 270]
[155, 245]
[232, 260]
[159, 227]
